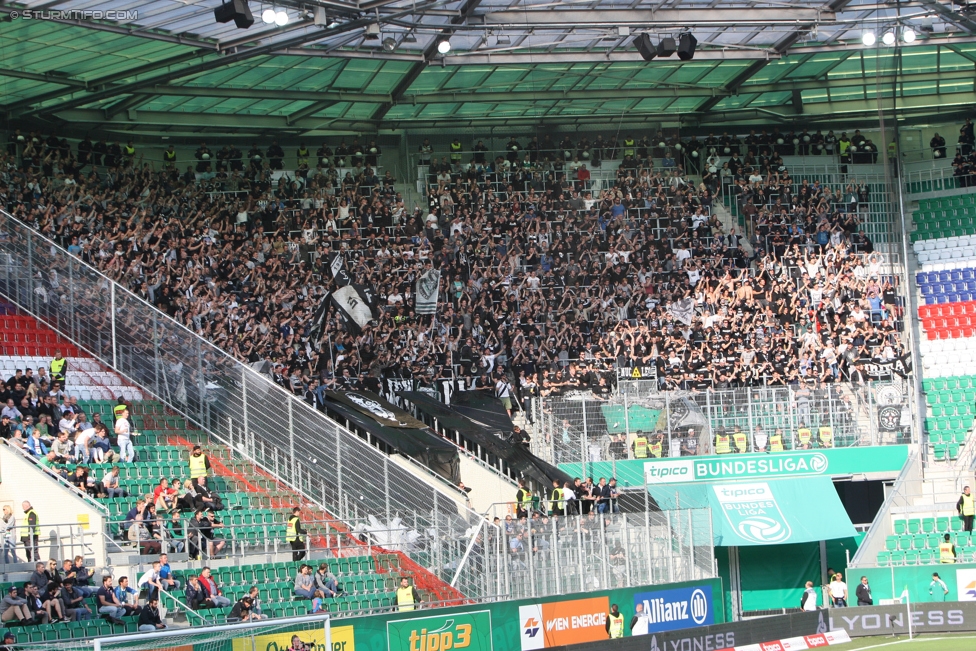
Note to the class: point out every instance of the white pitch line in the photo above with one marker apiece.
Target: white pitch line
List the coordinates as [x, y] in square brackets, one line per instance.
[928, 639]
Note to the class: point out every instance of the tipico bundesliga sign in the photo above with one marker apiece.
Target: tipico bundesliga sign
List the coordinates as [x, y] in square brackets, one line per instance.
[718, 468]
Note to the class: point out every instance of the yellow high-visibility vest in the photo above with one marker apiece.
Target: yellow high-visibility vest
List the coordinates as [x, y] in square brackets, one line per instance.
[404, 597]
[968, 508]
[628, 147]
[775, 443]
[130, 151]
[740, 441]
[945, 553]
[169, 156]
[36, 529]
[616, 625]
[804, 434]
[722, 445]
[524, 499]
[57, 368]
[827, 436]
[198, 466]
[291, 533]
[455, 151]
[656, 449]
[640, 447]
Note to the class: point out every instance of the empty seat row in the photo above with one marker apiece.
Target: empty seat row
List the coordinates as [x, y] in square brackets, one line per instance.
[938, 525]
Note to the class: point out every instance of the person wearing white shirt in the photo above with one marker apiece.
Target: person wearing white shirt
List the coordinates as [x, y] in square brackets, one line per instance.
[68, 424]
[124, 433]
[809, 600]
[85, 434]
[760, 439]
[838, 591]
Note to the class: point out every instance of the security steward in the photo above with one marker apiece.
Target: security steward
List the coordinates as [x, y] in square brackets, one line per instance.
[406, 597]
[303, 155]
[456, 149]
[966, 509]
[947, 551]
[169, 158]
[119, 408]
[615, 623]
[657, 446]
[640, 446]
[722, 443]
[556, 499]
[523, 501]
[199, 464]
[741, 441]
[59, 367]
[776, 442]
[295, 534]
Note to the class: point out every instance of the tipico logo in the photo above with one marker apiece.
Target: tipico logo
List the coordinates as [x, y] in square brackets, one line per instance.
[751, 510]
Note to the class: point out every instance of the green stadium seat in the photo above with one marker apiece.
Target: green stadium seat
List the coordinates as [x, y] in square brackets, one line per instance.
[942, 524]
[912, 557]
[914, 526]
[932, 541]
[926, 557]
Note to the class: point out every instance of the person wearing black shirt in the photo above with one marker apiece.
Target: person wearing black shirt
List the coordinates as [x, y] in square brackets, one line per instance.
[149, 619]
[275, 155]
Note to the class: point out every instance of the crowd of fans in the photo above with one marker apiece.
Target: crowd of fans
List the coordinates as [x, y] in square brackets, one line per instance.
[547, 277]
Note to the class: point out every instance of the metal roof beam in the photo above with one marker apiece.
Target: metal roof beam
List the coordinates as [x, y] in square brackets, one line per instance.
[213, 63]
[46, 77]
[951, 16]
[646, 18]
[264, 93]
[508, 57]
[311, 109]
[407, 80]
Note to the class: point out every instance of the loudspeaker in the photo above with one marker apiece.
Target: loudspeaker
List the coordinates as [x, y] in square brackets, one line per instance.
[645, 47]
[236, 10]
[686, 46]
[666, 47]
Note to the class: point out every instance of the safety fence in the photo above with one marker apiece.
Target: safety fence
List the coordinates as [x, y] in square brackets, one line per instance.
[579, 426]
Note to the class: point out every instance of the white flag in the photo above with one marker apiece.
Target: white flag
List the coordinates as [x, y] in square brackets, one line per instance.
[353, 307]
[428, 286]
[683, 310]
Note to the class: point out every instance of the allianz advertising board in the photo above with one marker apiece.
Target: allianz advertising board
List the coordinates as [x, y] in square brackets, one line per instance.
[787, 464]
[668, 610]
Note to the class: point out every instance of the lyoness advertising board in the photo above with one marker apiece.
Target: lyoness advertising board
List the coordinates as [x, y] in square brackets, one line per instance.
[470, 631]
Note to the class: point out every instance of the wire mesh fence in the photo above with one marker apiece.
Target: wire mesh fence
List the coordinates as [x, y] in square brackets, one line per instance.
[583, 427]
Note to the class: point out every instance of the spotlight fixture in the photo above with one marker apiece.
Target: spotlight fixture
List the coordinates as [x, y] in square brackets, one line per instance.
[268, 16]
[868, 38]
[236, 10]
[666, 47]
[410, 38]
[389, 44]
[281, 18]
[443, 45]
[908, 35]
[503, 39]
[372, 32]
[888, 38]
[645, 47]
[686, 46]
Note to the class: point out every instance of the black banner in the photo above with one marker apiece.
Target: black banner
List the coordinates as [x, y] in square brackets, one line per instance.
[937, 617]
[716, 636]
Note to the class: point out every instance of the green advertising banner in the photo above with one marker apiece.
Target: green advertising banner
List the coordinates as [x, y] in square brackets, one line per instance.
[735, 467]
[523, 625]
[958, 581]
[469, 630]
[776, 512]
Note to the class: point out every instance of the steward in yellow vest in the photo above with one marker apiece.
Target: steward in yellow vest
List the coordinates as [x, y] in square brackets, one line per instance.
[640, 446]
[456, 149]
[615, 623]
[406, 598]
[657, 448]
[966, 509]
[59, 367]
[556, 499]
[199, 463]
[776, 443]
[947, 551]
[722, 444]
[827, 436]
[523, 501]
[741, 441]
[295, 534]
[804, 434]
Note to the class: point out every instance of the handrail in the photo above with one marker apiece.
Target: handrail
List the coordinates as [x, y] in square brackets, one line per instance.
[884, 513]
[64, 483]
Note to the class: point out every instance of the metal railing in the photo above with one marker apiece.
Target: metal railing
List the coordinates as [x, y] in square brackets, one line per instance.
[325, 463]
[579, 427]
[568, 554]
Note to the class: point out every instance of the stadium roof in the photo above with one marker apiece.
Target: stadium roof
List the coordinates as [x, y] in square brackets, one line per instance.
[166, 66]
